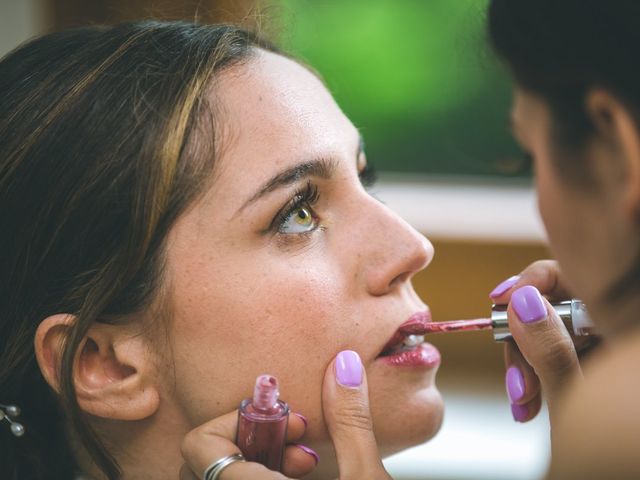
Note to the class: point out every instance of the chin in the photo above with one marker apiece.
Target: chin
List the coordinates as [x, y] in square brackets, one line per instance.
[400, 420]
[407, 421]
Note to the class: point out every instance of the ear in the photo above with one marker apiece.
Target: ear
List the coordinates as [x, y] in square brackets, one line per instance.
[615, 124]
[113, 370]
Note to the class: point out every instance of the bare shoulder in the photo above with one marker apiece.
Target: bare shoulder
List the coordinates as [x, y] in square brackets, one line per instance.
[597, 433]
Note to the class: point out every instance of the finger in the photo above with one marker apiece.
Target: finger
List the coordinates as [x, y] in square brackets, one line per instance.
[299, 460]
[522, 383]
[210, 441]
[297, 427]
[528, 411]
[245, 470]
[186, 473]
[345, 403]
[545, 275]
[542, 339]
[214, 440]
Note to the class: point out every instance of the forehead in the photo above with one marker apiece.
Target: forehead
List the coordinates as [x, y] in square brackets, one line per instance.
[274, 112]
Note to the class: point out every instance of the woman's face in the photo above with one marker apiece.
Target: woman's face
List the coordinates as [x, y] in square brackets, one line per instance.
[287, 260]
[586, 224]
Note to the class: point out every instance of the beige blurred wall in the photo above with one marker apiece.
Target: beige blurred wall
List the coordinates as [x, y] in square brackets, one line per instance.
[23, 19]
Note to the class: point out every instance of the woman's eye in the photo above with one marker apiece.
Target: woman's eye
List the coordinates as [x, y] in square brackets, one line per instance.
[300, 220]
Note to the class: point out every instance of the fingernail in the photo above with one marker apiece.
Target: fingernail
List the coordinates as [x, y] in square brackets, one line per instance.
[303, 418]
[519, 412]
[504, 286]
[311, 452]
[515, 384]
[528, 304]
[349, 369]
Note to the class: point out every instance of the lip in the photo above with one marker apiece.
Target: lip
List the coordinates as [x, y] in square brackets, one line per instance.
[424, 355]
[416, 325]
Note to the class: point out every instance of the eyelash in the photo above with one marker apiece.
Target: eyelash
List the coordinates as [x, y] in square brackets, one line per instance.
[309, 195]
[368, 176]
[305, 197]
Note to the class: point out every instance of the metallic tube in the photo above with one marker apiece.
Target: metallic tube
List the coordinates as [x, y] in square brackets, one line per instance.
[572, 313]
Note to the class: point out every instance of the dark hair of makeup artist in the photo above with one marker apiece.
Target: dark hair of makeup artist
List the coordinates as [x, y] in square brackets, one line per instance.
[560, 50]
[105, 137]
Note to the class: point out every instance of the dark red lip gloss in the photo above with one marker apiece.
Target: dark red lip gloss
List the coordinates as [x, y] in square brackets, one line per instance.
[262, 424]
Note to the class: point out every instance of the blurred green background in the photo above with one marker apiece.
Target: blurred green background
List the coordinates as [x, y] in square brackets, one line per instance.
[416, 76]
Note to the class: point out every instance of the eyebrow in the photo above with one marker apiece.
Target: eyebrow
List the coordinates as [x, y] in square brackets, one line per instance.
[320, 167]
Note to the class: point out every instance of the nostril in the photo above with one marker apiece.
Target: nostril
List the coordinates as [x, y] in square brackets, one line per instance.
[399, 279]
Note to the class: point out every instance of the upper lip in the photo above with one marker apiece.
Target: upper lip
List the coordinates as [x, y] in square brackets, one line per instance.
[416, 325]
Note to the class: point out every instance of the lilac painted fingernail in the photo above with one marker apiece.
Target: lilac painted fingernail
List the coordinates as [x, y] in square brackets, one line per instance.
[504, 286]
[519, 412]
[311, 452]
[528, 305]
[349, 369]
[303, 418]
[515, 384]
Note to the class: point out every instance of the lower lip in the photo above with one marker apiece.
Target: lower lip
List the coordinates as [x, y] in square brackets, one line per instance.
[424, 355]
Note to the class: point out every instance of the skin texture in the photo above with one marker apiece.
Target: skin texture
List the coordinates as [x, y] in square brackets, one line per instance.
[594, 233]
[245, 301]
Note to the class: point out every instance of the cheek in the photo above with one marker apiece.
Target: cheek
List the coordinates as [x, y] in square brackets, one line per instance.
[550, 202]
[285, 320]
[567, 224]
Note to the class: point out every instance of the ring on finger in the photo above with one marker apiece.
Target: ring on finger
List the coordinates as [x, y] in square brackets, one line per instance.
[214, 470]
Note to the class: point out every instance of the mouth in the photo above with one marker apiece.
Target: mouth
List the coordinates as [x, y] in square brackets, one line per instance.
[407, 346]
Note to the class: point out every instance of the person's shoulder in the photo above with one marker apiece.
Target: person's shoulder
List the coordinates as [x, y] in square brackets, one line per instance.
[597, 433]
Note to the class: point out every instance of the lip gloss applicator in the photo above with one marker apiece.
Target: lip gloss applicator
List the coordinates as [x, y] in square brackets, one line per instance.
[572, 312]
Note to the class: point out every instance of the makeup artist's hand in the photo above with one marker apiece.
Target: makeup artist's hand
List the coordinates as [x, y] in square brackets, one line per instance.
[543, 354]
[215, 439]
[345, 403]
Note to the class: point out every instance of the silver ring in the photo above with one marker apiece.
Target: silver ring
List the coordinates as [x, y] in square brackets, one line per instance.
[214, 470]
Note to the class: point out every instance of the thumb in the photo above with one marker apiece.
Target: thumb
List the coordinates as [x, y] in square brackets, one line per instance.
[543, 340]
[345, 403]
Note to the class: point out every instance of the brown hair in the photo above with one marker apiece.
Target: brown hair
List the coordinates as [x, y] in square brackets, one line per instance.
[97, 160]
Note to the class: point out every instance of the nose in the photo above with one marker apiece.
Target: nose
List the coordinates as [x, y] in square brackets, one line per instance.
[398, 251]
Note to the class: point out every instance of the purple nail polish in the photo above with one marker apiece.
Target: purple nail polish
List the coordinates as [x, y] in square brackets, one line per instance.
[528, 305]
[504, 286]
[519, 412]
[303, 418]
[309, 451]
[348, 368]
[515, 384]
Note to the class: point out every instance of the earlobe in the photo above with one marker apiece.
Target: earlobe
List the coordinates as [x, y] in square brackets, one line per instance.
[113, 372]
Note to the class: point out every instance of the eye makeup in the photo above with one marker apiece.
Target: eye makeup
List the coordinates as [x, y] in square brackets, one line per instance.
[305, 197]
